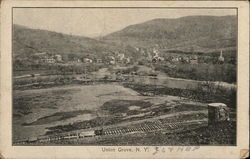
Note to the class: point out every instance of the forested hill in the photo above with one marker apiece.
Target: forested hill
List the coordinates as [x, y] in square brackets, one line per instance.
[195, 33]
[192, 33]
[27, 41]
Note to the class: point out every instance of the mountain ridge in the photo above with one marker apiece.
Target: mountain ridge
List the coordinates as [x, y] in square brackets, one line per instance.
[188, 34]
[172, 31]
[27, 41]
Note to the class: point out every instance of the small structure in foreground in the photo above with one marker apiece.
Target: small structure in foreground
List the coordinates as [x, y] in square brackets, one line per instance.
[217, 112]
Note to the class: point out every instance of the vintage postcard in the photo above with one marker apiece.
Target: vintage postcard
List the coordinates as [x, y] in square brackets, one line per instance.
[123, 79]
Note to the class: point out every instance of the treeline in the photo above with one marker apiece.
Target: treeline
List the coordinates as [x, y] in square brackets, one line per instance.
[60, 69]
[202, 72]
[226, 53]
[230, 56]
[218, 95]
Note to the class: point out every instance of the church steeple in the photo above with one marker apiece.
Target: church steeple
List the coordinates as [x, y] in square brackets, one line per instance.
[221, 58]
[221, 55]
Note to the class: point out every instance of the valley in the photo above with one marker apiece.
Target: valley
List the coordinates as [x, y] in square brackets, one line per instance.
[147, 84]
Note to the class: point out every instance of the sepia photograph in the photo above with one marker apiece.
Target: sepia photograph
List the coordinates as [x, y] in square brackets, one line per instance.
[124, 79]
[127, 76]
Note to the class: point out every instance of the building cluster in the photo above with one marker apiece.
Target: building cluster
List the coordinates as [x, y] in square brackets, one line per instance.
[191, 59]
[44, 57]
[153, 55]
[147, 54]
[47, 58]
[84, 60]
[113, 58]
[118, 58]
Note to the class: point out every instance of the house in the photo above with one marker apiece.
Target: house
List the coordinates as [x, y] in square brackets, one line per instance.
[48, 60]
[161, 59]
[41, 54]
[78, 60]
[157, 59]
[112, 58]
[194, 60]
[137, 48]
[120, 57]
[143, 51]
[155, 52]
[44, 57]
[112, 62]
[149, 56]
[87, 60]
[127, 60]
[99, 60]
[154, 60]
[175, 59]
[186, 59]
[58, 58]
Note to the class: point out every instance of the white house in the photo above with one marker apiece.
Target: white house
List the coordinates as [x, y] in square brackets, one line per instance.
[121, 56]
[58, 58]
[87, 60]
[112, 62]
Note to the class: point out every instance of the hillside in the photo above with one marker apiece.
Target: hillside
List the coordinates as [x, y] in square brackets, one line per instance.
[192, 33]
[28, 41]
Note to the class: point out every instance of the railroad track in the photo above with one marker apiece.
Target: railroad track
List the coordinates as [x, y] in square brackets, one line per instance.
[137, 128]
[149, 127]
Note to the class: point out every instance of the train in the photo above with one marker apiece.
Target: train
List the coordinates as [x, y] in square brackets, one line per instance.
[83, 134]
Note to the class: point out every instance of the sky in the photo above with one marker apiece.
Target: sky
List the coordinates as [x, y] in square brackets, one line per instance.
[94, 22]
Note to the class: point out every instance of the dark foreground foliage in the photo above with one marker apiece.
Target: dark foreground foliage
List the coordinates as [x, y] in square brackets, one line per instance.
[201, 71]
[198, 95]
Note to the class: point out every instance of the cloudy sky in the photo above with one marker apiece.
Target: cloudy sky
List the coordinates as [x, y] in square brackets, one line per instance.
[93, 22]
